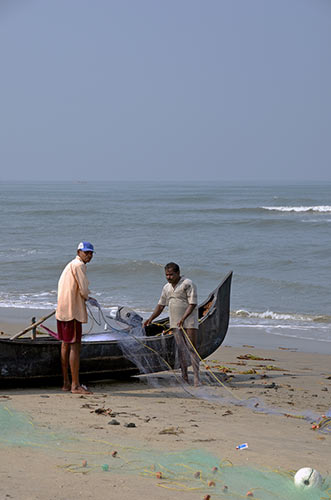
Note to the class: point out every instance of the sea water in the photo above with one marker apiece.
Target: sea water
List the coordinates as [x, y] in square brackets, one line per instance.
[275, 238]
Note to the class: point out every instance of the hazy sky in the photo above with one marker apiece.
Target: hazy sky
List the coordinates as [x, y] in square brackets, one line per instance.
[165, 89]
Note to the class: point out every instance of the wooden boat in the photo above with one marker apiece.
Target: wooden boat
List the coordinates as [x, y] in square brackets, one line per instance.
[25, 360]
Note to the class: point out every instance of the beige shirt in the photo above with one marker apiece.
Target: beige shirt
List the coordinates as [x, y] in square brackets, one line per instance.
[178, 298]
[73, 292]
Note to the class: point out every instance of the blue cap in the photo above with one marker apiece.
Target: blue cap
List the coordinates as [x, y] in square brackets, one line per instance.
[85, 246]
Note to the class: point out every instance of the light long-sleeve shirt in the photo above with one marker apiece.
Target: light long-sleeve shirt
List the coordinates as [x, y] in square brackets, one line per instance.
[73, 292]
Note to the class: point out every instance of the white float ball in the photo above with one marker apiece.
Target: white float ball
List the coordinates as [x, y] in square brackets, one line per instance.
[308, 478]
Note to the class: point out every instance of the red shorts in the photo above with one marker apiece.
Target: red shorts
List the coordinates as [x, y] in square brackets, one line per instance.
[69, 332]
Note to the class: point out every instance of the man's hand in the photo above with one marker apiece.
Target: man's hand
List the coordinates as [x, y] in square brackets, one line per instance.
[157, 311]
[93, 302]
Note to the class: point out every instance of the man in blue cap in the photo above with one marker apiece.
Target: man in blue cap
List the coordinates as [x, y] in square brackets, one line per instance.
[73, 292]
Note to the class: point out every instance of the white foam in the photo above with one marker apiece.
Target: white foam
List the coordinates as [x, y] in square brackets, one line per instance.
[272, 315]
[317, 208]
[41, 300]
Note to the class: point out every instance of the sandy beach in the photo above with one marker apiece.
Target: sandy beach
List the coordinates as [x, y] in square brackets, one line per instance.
[169, 419]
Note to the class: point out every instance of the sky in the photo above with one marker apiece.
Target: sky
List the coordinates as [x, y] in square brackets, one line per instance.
[189, 90]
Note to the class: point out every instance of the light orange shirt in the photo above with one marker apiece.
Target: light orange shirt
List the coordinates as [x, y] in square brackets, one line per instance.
[73, 292]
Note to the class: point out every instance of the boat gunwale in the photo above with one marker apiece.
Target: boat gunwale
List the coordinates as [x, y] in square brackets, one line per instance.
[152, 338]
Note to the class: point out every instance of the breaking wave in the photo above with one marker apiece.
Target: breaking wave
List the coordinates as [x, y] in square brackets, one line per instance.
[288, 317]
[317, 208]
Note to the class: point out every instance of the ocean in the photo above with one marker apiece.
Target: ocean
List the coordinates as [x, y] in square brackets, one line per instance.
[275, 238]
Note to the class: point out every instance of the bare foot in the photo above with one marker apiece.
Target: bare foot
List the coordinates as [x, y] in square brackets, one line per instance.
[66, 387]
[80, 389]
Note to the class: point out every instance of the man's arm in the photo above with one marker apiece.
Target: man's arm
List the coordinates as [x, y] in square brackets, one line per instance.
[190, 308]
[79, 273]
[157, 311]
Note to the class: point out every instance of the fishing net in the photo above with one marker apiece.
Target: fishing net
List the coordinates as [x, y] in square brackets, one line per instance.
[125, 325]
[18, 429]
[190, 470]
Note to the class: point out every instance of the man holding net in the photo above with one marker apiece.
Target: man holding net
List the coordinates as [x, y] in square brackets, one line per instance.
[180, 294]
[71, 312]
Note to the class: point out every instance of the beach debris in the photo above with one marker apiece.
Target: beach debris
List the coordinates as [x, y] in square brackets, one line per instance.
[211, 483]
[206, 497]
[114, 453]
[307, 478]
[225, 488]
[274, 368]
[102, 411]
[242, 446]
[159, 475]
[114, 422]
[84, 463]
[255, 358]
[218, 367]
[197, 474]
[130, 424]
[251, 371]
[249, 494]
[214, 470]
[172, 430]
[105, 467]
[272, 386]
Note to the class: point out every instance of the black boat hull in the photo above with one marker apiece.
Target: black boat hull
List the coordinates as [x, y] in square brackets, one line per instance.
[24, 359]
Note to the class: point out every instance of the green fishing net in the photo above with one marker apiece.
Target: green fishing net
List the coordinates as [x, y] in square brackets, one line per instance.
[190, 470]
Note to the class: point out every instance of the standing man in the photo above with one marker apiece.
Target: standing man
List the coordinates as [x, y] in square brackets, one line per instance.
[180, 294]
[71, 313]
